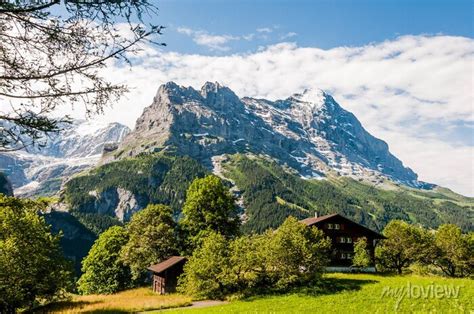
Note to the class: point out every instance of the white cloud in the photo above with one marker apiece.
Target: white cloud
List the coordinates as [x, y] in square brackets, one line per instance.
[288, 35]
[248, 36]
[265, 30]
[203, 38]
[185, 30]
[409, 91]
[220, 42]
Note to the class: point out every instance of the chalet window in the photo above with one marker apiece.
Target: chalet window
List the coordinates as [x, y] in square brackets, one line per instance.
[336, 226]
[349, 240]
[330, 226]
[343, 255]
[349, 255]
[342, 240]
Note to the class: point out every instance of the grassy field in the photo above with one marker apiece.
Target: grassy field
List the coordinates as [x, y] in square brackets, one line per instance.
[129, 301]
[361, 293]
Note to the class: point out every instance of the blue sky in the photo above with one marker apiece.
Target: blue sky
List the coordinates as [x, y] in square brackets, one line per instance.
[404, 68]
[323, 24]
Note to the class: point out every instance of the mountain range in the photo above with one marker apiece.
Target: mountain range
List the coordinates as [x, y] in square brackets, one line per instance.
[41, 171]
[297, 156]
[309, 132]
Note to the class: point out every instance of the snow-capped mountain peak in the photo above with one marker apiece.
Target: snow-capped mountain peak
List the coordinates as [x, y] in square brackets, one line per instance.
[309, 132]
[79, 146]
[312, 97]
[83, 139]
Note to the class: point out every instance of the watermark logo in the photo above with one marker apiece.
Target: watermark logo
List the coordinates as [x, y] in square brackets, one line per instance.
[415, 291]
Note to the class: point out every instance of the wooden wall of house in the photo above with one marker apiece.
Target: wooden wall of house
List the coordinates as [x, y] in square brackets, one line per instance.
[347, 229]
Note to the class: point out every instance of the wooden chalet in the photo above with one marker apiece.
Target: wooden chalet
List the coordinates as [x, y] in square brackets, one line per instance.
[344, 233]
[166, 273]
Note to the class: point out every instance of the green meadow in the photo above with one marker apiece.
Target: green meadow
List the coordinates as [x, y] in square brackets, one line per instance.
[361, 293]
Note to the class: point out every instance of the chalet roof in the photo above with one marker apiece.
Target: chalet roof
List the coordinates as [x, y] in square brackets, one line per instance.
[160, 267]
[312, 220]
[315, 220]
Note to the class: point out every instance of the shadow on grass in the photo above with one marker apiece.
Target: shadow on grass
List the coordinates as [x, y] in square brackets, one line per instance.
[109, 311]
[323, 286]
[68, 306]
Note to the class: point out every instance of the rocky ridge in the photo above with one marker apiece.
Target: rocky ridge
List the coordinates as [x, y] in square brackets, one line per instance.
[40, 171]
[308, 132]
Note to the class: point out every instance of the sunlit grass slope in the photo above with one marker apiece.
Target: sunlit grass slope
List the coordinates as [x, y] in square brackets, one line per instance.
[129, 301]
[361, 293]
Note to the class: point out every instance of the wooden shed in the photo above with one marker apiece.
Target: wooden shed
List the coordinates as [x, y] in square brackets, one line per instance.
[166, 273]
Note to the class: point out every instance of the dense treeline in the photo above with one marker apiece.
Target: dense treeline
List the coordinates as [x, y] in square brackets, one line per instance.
[120, 256]
[32, 267]
[96, 223]
[153, 179]
[271, 194]
[446, 250]
[279, 259]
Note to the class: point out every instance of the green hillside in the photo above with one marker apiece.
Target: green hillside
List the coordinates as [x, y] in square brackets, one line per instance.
[155, 178]
[272, 193]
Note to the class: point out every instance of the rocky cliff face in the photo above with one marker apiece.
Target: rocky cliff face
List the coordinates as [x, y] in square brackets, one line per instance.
[309, 132]
[117, 202]
[78, 147]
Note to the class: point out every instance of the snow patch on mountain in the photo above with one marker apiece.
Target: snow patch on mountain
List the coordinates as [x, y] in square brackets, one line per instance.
[309, 132]
[78, 147]
[312, 97]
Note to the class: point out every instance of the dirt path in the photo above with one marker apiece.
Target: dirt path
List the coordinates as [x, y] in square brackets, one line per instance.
[205, 303]
[194, 305]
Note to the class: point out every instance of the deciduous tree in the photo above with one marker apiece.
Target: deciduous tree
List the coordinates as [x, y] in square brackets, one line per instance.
[361, 254]
[454, 251]
[103, 270]
[209, 207]
[32, 267]
[152, 238]
[405, 244]
[51, 54]
[207, 273]
[297, 253]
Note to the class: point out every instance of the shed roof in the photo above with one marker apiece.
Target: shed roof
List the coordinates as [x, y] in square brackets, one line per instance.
[161, 267]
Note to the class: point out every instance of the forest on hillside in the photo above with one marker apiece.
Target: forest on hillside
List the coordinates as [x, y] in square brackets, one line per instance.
[271, 193]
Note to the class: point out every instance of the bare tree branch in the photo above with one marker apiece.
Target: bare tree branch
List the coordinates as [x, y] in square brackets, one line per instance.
[49, 60]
